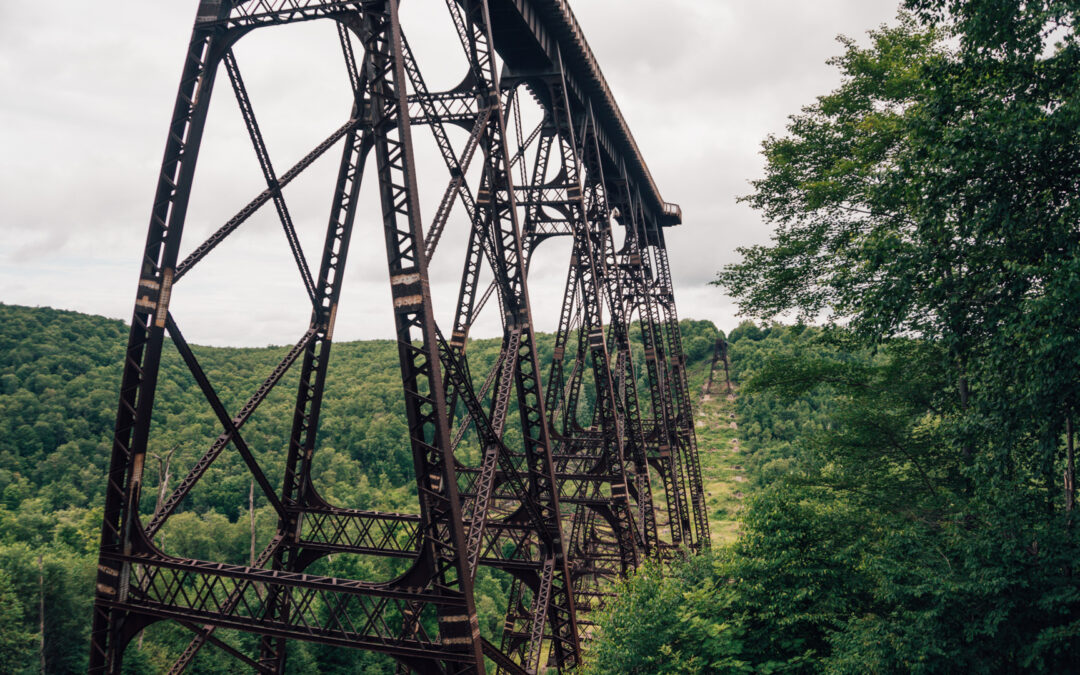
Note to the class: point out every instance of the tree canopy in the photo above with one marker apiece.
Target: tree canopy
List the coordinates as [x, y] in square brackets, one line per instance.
[914, 458]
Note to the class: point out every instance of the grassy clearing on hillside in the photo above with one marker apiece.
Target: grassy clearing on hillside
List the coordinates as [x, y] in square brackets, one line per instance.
[721, 463]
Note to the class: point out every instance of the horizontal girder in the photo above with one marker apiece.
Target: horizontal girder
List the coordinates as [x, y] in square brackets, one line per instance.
[565, 505]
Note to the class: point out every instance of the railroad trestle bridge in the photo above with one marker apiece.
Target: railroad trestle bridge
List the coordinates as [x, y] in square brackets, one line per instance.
[604, 476]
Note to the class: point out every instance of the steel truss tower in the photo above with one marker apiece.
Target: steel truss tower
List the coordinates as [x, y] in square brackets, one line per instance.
[606, 474]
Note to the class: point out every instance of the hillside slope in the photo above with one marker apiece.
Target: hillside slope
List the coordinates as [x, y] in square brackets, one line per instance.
[59, 374]
[721, 459]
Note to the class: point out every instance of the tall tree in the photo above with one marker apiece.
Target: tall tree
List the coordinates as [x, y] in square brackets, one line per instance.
[934, 195]
[931, 200]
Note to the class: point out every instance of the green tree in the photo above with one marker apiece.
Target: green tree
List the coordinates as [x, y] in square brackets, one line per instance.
[933, 194]
[928, 204]
[16, 643]
[59, 373]
[659, 621]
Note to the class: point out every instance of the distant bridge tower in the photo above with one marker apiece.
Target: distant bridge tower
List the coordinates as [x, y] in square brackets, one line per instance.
[604, 474]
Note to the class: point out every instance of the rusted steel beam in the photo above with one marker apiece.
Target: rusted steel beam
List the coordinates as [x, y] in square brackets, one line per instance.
[565, 510]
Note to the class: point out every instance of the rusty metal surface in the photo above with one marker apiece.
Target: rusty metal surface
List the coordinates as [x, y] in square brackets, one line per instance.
[603, 477]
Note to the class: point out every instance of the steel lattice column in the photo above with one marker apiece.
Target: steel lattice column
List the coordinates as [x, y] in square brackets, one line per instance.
[564, 512]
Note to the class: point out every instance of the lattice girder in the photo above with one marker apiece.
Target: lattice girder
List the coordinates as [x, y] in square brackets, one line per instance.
[564, 513]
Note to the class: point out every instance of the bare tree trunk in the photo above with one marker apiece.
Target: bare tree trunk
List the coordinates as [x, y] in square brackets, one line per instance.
[41, 609]
[251, 523]
[1070, 491]
[164, 462]
[966, 451]
[251, 518]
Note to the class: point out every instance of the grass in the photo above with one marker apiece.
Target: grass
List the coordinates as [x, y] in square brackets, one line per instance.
[721, 462]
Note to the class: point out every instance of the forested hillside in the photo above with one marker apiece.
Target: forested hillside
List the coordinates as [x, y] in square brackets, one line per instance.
[913, 461]
[59, 373]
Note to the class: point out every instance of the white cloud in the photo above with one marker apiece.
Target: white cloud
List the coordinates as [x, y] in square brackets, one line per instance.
[90, 92]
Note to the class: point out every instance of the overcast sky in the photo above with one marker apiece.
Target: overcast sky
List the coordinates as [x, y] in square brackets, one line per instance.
[89, 88]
